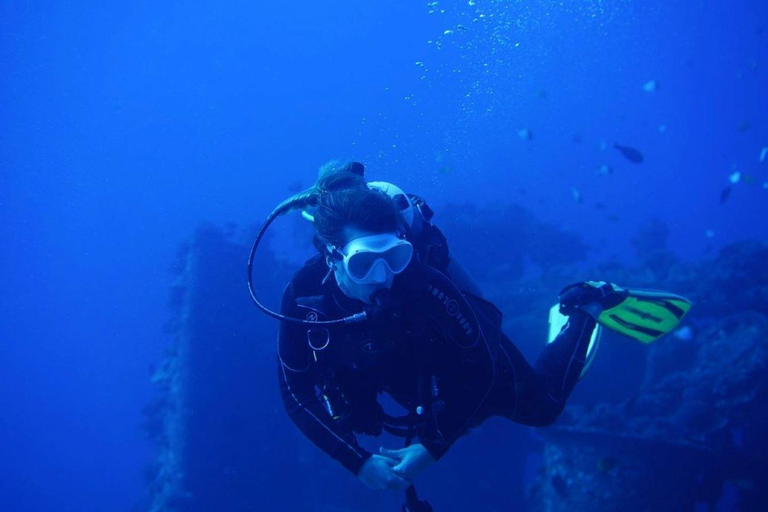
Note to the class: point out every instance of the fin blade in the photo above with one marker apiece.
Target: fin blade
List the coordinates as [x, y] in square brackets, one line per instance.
[646, 315]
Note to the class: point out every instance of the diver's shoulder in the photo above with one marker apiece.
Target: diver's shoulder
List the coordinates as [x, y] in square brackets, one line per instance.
[308, 280]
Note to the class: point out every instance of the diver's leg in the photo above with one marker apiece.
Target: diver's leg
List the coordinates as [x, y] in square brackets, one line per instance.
[539, 392]
[562, 361]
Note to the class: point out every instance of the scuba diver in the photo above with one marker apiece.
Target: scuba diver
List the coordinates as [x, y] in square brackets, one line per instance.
[384, 307]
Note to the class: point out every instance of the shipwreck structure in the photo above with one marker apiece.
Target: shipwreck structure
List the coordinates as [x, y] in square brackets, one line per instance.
[695, 431]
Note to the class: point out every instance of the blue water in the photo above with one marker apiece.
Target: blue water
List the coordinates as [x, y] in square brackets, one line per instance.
[123, 125]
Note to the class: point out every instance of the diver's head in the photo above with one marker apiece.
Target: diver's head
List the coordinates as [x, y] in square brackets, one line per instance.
[361, 230]
[340, 166]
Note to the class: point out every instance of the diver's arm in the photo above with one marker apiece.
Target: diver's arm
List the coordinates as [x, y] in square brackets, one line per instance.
[307, 413]
[461, 277]
[297, 377]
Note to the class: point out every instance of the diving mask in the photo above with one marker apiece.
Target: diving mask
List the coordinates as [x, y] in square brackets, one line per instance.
[367, 259]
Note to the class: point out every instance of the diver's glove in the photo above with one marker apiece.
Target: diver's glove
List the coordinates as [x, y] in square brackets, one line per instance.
[592, 297]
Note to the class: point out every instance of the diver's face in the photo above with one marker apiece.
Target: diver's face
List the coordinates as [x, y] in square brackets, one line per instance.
[380, 280]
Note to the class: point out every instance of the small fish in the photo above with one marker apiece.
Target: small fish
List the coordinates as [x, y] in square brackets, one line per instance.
[612, 218]
[662, 128]
[765, 185]
[606, 464]
[651, 86]
[605, 170]
[576, 138]
[525, 134]
[763, 154]
[744, 125]
[725, 194]
[603, 145]
[630, 154]
[709, 233]
[577, 196]
[295, 187]
[630, 402]
[734, 177]
[684, 333]
[745, 484]
[748, 179]
[600, 206]
[560, 485]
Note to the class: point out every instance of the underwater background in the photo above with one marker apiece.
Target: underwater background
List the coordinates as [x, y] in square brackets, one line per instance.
[133, 134]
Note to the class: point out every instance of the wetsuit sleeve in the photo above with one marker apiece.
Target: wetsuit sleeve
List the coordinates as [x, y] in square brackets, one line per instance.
[297, 375]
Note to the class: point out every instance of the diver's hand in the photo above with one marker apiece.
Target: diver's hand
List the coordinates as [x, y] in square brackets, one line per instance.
[412, 460]
[377, 474]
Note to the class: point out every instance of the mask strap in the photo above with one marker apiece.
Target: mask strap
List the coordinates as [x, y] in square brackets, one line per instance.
[327, 276]
[335, 254]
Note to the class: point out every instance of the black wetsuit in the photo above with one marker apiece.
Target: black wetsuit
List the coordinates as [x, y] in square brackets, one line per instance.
[437, 351]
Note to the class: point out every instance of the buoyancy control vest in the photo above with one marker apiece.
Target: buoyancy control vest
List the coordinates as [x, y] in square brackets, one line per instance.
[443, 340]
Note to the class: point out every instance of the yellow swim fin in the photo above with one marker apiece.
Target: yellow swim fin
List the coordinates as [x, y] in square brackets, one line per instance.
[644, 315]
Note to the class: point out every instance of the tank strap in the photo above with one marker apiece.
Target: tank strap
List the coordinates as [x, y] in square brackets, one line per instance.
[426, 212]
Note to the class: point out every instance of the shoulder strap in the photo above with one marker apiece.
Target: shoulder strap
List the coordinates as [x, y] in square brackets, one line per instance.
[430, 242]
[422, 207]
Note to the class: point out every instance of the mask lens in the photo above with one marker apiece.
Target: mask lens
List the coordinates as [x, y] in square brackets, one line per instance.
[396, 258]
[360, 263]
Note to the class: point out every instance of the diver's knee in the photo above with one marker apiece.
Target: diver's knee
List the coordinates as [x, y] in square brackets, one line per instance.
[542, 418]
[549, 414]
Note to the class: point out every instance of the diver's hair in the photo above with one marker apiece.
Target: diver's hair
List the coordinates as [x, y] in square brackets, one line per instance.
[344, 200]
[339, 180]
[337, 166]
